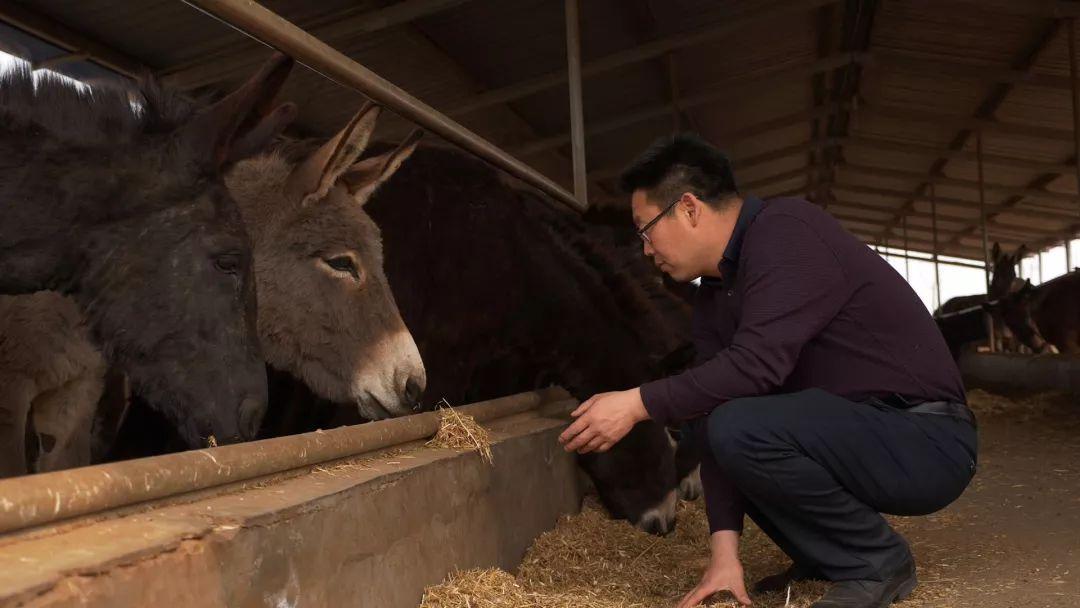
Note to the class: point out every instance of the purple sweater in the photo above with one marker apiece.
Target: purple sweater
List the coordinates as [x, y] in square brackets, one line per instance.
[803, 304]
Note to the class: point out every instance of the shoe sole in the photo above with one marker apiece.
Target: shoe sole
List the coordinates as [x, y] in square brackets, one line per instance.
[903, 592]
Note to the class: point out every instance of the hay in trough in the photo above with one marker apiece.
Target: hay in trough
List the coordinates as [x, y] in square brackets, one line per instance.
[459, 431]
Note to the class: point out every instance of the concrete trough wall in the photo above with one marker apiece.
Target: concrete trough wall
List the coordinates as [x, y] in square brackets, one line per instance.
[369, 532]
[1036, 373]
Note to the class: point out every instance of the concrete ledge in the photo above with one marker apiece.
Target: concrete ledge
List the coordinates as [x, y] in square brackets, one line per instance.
[371, 534]
[1029, 372]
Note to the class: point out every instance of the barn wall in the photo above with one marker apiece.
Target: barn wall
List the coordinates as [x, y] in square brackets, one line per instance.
[1037, 373]
[373, 535]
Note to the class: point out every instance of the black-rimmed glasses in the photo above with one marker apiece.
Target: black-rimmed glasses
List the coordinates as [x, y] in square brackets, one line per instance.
[645, 229]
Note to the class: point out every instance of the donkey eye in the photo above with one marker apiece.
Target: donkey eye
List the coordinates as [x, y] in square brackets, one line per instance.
[229, 263]
[343, 263]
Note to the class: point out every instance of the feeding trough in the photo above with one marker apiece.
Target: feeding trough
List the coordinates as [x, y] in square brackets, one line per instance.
[365, 515]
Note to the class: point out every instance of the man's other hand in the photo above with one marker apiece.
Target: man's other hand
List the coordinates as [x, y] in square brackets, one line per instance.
[602, 420]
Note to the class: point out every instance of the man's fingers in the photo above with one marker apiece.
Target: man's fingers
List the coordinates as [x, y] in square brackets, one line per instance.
[695, 597]
[582, 438]
[593, 445]
[740, 595]
[584, 407]
[571, 431]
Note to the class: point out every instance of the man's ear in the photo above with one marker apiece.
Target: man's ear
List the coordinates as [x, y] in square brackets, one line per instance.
[692, 207]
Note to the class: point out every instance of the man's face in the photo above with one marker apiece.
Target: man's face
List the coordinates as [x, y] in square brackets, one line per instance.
[668, 240]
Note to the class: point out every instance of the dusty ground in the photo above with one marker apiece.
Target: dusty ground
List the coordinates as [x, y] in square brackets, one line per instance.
[1013, 539]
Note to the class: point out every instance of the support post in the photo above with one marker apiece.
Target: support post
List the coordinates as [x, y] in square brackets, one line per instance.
[1074, 79]
[577, 118]
[985, 245]
[907, 258]
[933, 230]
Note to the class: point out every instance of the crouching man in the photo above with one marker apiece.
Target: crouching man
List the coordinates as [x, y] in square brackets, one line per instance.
[823, 395]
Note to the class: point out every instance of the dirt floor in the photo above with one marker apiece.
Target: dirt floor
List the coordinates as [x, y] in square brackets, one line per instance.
[1013, 539]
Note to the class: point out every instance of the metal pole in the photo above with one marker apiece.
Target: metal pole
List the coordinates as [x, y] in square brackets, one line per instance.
[1074, 79]
[982, 207]
[907, 258]
[272, 30]
[1040, 268]
[933, 229]
[985, 245]
[577, 117]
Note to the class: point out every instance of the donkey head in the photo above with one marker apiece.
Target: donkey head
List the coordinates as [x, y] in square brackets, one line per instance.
[1015, 310]
[326, 312]
[169, 286]
[1004, 279]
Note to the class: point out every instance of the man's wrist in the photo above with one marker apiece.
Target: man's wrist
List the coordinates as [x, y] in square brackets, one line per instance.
[724, 545]
[641, 413]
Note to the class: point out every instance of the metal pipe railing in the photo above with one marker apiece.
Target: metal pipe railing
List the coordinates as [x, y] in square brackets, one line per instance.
[36, 500]
[271, 29]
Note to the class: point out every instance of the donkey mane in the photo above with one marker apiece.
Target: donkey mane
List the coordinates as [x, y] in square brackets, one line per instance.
[105, 114]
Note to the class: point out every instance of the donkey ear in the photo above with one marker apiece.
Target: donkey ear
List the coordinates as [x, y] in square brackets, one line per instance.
[313, 178]
[366, 176]
[1021, 253]
[266, 131]
[239, 119]
[995, 253]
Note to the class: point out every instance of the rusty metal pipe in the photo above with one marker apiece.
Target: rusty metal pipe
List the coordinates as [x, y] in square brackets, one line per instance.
[49, 497]
[271, 29]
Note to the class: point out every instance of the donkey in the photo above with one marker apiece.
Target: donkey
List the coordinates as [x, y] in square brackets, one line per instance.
[1054, 308]
[504, 293]
[124, 208]
[328, 325]
[961, 330]
[50, 369]
[327, 316]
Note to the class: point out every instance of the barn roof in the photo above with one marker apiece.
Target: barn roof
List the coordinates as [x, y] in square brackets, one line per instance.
[872, 108]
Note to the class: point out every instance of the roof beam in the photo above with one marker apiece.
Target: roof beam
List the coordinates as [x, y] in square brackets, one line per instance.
[748, 132]
[1041, 213]
[1013, 162]
[232, 57]
[1025, 61]
[635, 55]
[969, 123]
[1038, 193]
[60, 35]
[726, 89]
[998, 227]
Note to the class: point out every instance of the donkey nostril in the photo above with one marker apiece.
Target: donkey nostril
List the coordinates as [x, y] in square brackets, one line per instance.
[413, 391]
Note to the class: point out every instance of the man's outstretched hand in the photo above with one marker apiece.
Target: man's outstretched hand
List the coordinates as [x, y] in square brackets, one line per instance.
[602, 420]
[718, 578]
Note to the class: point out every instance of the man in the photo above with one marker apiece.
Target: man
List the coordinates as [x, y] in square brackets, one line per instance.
[823, 393]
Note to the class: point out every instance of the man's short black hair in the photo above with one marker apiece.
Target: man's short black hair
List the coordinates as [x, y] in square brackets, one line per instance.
[681, 163]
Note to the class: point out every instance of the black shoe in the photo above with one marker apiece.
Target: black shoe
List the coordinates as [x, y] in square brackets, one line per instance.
[871, 594]
[780, 580]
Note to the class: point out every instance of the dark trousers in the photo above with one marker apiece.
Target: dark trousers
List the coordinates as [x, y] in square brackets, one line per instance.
[816, 471]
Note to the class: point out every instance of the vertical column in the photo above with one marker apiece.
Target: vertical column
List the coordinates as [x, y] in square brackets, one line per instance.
[1074, 78]
[982, 208]
[991, 321]
[907, 251]
[577, 118]
[933, 230]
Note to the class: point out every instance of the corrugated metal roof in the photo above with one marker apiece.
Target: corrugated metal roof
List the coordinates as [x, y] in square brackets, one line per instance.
[875, 170]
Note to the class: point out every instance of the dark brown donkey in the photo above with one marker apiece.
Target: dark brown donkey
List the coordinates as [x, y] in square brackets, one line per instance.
[124, 208]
